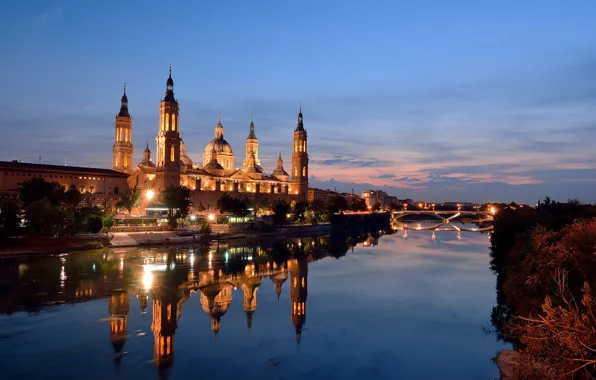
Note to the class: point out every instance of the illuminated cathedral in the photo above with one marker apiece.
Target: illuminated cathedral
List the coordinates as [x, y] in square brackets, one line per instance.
[218, 173]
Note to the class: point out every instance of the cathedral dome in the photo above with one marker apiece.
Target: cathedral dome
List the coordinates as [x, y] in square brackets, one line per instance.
[186, 160]
[220, 145]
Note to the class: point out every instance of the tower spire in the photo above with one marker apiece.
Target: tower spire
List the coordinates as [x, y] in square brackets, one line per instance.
[218, 118]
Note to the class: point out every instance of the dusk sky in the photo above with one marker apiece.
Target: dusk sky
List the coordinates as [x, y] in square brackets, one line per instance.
[431, 100]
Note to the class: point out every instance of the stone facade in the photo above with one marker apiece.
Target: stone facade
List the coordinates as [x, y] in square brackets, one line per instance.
[100, 187]
[218, 175]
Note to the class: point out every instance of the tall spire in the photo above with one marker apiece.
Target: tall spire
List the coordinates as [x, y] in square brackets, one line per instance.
[299, 125]
[124, 104]
[251, 133]
[169, 97]
[219, 130]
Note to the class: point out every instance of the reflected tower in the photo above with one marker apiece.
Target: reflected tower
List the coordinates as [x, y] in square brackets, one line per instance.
[279, 278]
[249, 289]
[298, 269]
[118, 307]
[164, 325]
[216, 300]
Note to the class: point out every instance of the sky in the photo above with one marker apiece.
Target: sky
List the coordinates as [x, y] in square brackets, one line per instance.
[427, 99]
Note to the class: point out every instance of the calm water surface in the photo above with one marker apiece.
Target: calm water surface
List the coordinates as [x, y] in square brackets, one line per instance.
[400, 306]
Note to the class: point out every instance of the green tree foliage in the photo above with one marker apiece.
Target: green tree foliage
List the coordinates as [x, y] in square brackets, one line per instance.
[108, 221]
[178, 200]
[94, 224]
[129, 199]
[338, 203]
[299, 211]
[205, 230]
[376, 207]
[201, 207]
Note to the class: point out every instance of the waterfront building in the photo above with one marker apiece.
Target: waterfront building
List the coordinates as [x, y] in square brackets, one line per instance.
[100, 187]
[217, 174]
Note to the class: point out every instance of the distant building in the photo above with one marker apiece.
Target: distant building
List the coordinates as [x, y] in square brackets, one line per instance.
[100, 187]
[372, 197]
[326, 195]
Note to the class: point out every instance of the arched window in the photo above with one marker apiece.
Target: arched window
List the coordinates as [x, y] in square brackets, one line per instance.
[296, 146]
[161, 126]
[304, 147]
[173, 122]
[125, 160]
[172, 154]
[167, 122]
[296, 171]
[304, 171]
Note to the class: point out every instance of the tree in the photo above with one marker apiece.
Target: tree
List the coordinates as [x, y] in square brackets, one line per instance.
[178, 201]
[338, 203]
[37, 188]
[299, 211]
[72, 198]
[205, 230]
[42, 218]
[108, 221]
[94, 224]
[201, 207]
[9, 216]
[129, 199]
[280, 211]
[376, 207]
[359, 205]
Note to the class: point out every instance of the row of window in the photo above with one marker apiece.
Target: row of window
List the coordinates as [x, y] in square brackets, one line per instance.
[168, 122]
[54, 176]
[303, 171]
[300, 146]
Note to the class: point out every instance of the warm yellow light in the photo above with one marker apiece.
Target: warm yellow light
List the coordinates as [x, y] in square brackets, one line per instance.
[147, 280]
[149, 195]
[211, 217]
[493, 210]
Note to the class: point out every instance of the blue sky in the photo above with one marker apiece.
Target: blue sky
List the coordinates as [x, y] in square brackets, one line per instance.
[435, 100]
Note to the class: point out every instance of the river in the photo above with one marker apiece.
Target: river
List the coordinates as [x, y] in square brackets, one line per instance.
[412, 305]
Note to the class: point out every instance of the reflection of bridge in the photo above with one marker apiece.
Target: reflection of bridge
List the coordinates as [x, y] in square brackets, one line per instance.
[445, 218]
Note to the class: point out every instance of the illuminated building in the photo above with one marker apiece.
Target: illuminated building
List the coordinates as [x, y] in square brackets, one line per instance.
[217, 174]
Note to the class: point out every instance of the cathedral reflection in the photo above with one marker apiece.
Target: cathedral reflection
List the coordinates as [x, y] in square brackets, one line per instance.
[162, 280]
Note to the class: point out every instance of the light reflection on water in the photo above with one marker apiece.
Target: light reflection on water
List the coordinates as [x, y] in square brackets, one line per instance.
[407, 305]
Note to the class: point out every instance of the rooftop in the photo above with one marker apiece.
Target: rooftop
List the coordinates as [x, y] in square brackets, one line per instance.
[59, 168]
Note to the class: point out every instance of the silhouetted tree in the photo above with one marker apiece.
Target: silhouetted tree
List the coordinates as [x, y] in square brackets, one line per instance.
[129, 199]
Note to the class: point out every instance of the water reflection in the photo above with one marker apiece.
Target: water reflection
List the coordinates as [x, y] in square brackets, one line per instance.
[165, 283]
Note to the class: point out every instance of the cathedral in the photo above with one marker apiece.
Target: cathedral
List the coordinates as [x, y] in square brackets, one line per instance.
[217, 174]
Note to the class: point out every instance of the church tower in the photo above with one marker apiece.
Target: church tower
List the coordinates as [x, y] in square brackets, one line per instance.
[118, 307]
[298, 269]
[252, 145]
[300, 161]
[168, 140]
[122, 150]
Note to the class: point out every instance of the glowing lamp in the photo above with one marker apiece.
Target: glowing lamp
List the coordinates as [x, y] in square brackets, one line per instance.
[211, 217]
[149, 195]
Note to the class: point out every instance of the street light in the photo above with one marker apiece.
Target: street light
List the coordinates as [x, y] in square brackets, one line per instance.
[149, 195]
[211, 217]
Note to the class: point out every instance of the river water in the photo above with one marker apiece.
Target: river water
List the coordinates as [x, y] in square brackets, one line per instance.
[412, 305]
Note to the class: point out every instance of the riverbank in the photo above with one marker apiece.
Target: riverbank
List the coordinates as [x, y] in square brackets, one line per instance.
[35, 246]
[134, 239]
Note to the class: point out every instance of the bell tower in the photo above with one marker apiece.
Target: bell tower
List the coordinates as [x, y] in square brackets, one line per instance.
[252, 145]
[300, 161]
[168, 140]
[122, 150]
